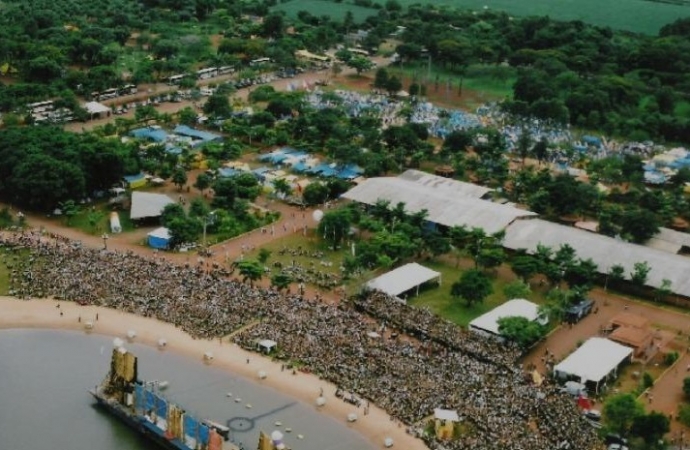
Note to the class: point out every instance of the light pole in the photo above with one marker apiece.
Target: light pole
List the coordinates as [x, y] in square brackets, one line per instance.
[210, 218]
[105, 238]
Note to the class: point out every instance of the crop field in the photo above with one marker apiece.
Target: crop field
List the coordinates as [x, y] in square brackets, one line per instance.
[320, 8]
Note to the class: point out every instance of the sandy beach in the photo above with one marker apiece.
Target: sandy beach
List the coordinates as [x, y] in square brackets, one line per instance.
[39, 313]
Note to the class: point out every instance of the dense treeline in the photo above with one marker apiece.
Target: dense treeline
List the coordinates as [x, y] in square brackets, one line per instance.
[44, 166]
[570, 72]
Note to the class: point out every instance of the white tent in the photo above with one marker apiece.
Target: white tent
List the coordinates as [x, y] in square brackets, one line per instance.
[403, 279]
[446, 414]
[146, 204]
[96, 109]
[487, 323]
[267, 345]
[593, 362]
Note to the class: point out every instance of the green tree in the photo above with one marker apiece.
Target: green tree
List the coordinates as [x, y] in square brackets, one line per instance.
[381, 78]
[183, 230]
[315, 193]
[281, 281]
[203, 182]
[640, 273]
[263, 255]
[282, 187]
[251, 270]
[335, 226]
[360, 64]
[218, 105]
[473, 287]
[170, 212]
[620, 412]
[179, 178]
[517, 289]
[522, 331]
[650, 427]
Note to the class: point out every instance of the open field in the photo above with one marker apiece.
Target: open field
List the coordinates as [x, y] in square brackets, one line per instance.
[320, 8]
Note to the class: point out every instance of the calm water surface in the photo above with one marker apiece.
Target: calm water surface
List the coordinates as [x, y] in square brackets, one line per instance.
[44, 403]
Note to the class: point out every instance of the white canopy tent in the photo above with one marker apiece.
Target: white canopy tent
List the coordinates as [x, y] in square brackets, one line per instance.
[403, 279]
[593, 362]
[146, 204]
[487, 323]
[97, 109]
[267, 345]
[446, 414]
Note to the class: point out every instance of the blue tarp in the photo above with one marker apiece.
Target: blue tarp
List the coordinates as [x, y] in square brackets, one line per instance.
[592, 140]
[190, 426]
[184, 130]
[158, 242]
[140, 401]
[162, 408]
[227, 172]
[173, 150]
[150, 401]
[150, 133]
[300, 167]
[203, 434]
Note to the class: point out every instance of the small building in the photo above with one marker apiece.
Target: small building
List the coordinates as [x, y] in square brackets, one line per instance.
[641, 340]
[594, 363]
[198, 137]
[148, 205]
[487, 323]
[403, 279]
[444, 423]
[97, 110]
[153, 133]
[159, 238]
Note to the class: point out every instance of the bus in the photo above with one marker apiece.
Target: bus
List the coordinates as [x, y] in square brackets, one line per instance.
[39, 107]
[208, 72]
[224, 70]
[129, 89]
[105, 95]
[358, 51]
[175, 79]
[259, 61]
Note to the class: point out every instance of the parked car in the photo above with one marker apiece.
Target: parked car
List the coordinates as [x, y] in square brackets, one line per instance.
[613, 438]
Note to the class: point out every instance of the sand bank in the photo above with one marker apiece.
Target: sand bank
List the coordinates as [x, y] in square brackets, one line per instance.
[376, 426]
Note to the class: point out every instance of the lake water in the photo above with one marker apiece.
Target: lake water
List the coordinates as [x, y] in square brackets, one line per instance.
[45, 405]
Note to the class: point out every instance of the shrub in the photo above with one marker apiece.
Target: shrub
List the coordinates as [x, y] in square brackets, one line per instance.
[671, 358]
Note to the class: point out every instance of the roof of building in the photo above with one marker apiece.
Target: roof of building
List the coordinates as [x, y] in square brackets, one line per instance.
[628, 319]
[517, 307]
[445, 184]
[96, 108]
[402, 279]
[669, 240]
[631, 336]
[606, 252]
[447, 202]
[594, 359]
[184, 130]
[147, 204]
[155, 134]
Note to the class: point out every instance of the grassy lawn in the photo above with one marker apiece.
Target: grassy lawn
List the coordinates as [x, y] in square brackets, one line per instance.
[325, 8]
[97, 221]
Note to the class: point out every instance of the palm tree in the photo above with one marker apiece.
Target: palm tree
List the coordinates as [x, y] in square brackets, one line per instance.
[282, 186]
[250, 270]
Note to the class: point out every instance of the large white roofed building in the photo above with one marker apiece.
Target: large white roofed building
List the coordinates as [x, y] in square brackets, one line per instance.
[605, 251]
[447, 202]
[594, 362]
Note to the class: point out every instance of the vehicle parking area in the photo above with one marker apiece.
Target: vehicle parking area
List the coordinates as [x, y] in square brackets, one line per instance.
[671, 333]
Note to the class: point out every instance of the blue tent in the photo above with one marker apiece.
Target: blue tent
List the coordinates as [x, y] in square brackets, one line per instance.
[591, 140]
[159, 238]
[150, 133]
[227, 172]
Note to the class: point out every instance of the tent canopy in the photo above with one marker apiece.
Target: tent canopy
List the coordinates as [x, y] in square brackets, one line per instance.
[267, 344]
[518, 307]
[146, 204]
[594, 360]
[96, 108]
[446, 414]
[403, 279]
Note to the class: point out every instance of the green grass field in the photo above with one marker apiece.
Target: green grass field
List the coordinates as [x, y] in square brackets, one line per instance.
[320, 8]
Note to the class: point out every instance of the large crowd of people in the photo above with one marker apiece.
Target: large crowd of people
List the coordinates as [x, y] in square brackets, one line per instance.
[404, 359]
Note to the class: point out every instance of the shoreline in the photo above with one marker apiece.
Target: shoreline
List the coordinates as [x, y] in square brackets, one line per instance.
[44, 314]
